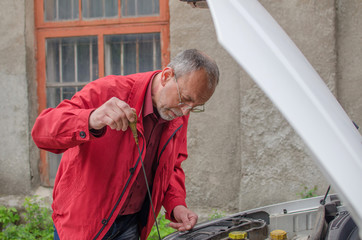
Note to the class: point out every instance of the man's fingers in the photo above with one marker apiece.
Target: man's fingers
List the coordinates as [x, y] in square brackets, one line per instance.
[114, 113]
[120, 119]
[116, 110]
[109, 122]
[115, 117]
[120, 112]
[193, 220]
[125, 112]
[134, 115]
[186, 222]
[177, 226]
[126, 109]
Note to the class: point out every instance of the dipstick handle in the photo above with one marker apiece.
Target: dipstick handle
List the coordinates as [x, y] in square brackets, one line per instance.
[133, 127]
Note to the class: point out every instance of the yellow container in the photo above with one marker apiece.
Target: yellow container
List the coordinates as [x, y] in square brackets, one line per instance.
[238, 235]
[278, 235]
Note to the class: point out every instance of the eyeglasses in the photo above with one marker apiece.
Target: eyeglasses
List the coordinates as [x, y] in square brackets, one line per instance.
[196, 109]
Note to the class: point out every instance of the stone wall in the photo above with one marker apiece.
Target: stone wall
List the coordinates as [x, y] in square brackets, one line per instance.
[213, 167]
[349, 37]
[15, 31]
[275, 162]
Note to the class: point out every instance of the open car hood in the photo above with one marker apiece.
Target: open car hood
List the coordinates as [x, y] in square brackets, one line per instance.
[256, 41]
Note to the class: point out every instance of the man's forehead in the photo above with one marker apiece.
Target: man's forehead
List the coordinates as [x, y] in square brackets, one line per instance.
[197, 88]
[195, 76]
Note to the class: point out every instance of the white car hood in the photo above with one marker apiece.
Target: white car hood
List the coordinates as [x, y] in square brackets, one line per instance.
[256, 41]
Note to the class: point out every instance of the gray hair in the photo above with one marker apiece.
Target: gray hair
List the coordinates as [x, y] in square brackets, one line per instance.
[193, 60]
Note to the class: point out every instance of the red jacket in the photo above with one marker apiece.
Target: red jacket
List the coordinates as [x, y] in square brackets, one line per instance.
[96, 174]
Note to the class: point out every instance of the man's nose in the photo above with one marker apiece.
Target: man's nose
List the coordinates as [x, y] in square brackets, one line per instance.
[185, 111]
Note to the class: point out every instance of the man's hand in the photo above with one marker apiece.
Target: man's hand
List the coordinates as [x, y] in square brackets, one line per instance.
[186, 219]
[114, 113]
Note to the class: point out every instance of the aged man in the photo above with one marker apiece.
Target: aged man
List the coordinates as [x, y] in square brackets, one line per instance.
[100, 190]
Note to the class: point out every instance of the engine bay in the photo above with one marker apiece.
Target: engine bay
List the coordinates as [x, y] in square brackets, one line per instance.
[314, 218]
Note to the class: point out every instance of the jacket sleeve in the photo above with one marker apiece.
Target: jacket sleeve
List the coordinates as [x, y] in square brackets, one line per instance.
[176, 191]
[67, 125]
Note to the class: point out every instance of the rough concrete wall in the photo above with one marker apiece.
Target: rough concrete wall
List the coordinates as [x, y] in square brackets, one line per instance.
[32, 90]
[213, 137]
[243, 154]
[14, 152]
[275, 162]
[349, 15]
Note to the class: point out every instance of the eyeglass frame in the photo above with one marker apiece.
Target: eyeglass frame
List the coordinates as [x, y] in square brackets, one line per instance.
[196, 109]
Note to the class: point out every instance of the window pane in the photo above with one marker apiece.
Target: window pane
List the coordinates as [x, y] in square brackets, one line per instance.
[130, 56]
[67, 60]
[136, 8]
[70, 63]
[111, 8]
[146, 53]
[158, 54]
[132, 53]
[99, 8]
[148, 7]
[115, 58]
[57, 94]
[68, 92]
[87, 60]
[128, 8]
[53, 97]
[94, 68]
[52, 60]
[58, 10]
[50, 11]
[83, 58]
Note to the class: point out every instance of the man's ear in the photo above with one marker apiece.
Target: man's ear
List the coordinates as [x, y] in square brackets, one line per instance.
[166, 75]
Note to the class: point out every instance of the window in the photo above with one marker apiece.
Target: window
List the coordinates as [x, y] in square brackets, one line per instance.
[79, 41]
[130, 53]
[70, 64]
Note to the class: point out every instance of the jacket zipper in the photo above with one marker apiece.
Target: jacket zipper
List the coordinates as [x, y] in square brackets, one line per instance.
[158, 160]
[105, 221]
[164, 147]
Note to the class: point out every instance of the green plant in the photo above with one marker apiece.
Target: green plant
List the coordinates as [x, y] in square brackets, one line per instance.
[216, 214]
[308, 193]
[8, 216]
[35, 222]
[163, 226]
